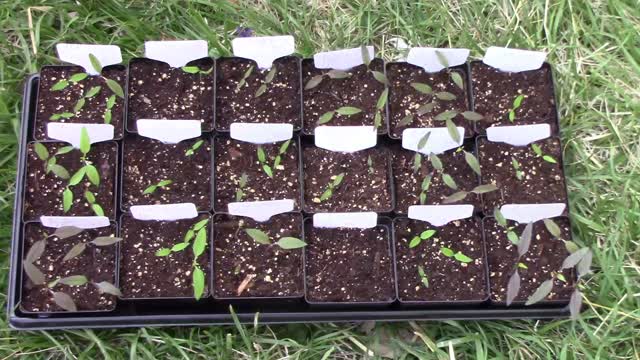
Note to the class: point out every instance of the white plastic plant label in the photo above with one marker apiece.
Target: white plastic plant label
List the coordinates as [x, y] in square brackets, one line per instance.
[513, 60]
[260, 210]
[169, 131]
[345, 138]
[263, 50]
[70, 133]
[518, 135]
[78, 54]
[261, 133]
[438, 142]
[358, 220]
[438, 215]
[526, 213]
[176, 53]
[82, 222]
[427, 58]
[168, 212]
[341, 59]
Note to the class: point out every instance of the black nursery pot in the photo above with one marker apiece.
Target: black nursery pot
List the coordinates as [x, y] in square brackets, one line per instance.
[158, 91]
[62, 105]
[43, 189]
[241, 98]
[245, 270]
[545, 256]
[349, 268]
[450, 282]
[408, 183]
[188, 164]
[542, 181]
[494, 92]
[145, 276]
[405, 100]
[233, 158]
[360, 90]
[97, 263]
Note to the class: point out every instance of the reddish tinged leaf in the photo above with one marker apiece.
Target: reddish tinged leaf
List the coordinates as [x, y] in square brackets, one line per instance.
[64, 301]
[36, 250]
[513, 287]
[33, 273]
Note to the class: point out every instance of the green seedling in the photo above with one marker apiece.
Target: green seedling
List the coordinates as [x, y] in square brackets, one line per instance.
[286, 242]
[344, 111]
[423, 276]
[417, 240]
[193, 148]
[336, 180]
[380, 77]
[461, 195]
[331, 74]
[517, 102]
[267, 80]
[162, 184]
[538, 151]
[516, 166]
[242, 184]
[458, 256]
[245, 77]
[196, 70]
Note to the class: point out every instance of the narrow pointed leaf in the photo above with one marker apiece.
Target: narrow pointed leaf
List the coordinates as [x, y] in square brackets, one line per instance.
[415, 242]
[111, 101]
[472, 161]
[115, 88]
[105, 287]
[258, 236]
[435, 162]
[338, 74]
[472, 116]
[59, 171]
[105, 240]
[200, 224]
[85, 142]
[445, 95]
[366, 59]
[267, 169]
[382, 100]
[67, 200]
[261, 90]
[59, 85]
[64, 301]
[36, 250]
[513, 287]
[198, 283]
[67, 231]
[200, 243]
[446, 252]
[163, 252]
[326, 117]
[453, 130]
[525, 239]
[380, 77]
[95, 63]
[462, 257]
[442, 59]
[79, 105]
[448, 180]
[190, 69]
[571, 246]
[482, 189]
[92, 174]
[584, 266]
[313, 82]
[41, 151]
[423, 140]
[78, 176]
[517, 102]
[573, 259]
[575, 304]
[541, 292]
[75, 251]
[457, 79]
[422, 88]
[427, 234]
[552, 228]
[426, 108]
[33, 273]
[288, 243]
[449, 114]
[513, 237]
[93, 92]
[97, 209]
[455, 197]
[348, 110]
[500, 219]
[74, 280]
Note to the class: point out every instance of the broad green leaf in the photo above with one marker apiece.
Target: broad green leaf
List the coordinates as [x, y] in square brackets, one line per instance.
[65, 149]
[267, 170]
[552, 228]
[258, 236]
[198, 282]
[92, 174]
[85, 142]
[67, 232]
[111, 101]
[426, 108]
[338, 180]
[105, 240]
[445, 115]
[415, 242]
[93, 92]
[525, 239]
[380, 77]
[541, 292]
[277, 161]
[59, 171]
[348, 110]
[426, 183]
[536, 149]
[571, 246]
[79, 105]
[75, 251]
[472, 116]
[448, 180]
[513, 237]
[78, 77]
[326, 117]
[271, 74]
[423, 276]
[190, 69]
[417, 162]
[115, 88]
[435, 162]
[423, 198]
[482, 189]
[97, 209]
[262, 157]
[163, 252]
[166, 182]
[261, 90]
[67, 200]
[337, 74]
[513, 287]
[95, 63]
[284, 147]
[517, 102]
[405, 121]
[453, 131]
[67, 115]
[422, 88]
[462, 257]
[33, 273]
[455, 197]
[326, 195]
[445, 96]
[427, 234]
[60, 85]
[473, 163]
[41, 151]
[377, 120]
[189, 235]
[200, 224]
[457, 79]
[200, 242]
[512, 116]
[74, 280]
[446, 252]
[150, 190]
[550, 159]
[313, 82]
[575, 304]
[64, 301]
[423, 140]
[35, 251]
[179, 247]
[288, 243]
[573, 259]
[382, 100]
[107, 117]
[77, 177]
[105, 287]
[500, 219]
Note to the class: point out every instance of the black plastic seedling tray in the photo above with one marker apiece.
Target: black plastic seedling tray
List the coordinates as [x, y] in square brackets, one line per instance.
[208, 311]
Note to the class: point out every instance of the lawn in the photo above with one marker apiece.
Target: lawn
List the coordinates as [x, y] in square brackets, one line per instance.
[594, 46]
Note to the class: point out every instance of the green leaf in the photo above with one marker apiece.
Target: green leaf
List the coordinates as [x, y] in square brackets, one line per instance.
[67, 200]
[64, 301]
[575, 304]
[417, 162]
[455, 197]
[326, 195]
[77, 177]
[271, 74]
[366, 59]
[289, 243]
[111, 101]
[198, 282]
[85, 142]
[552, 228]
[380, 77]
[457, 79]
[513, 237]
[584, 266]
[179, 247]
[448, 180]
[513, 287]
[107, 117]
[472, 116]
[75, 251]
[445, 96]
[442, 59]
[261, 155]
[571, 246]
[382, 100]
[445, 115]
[67, 232]
[79, 105]
[93, 92]
[473, 163]
[258, 236]
[573, 259]
[163, 252]
[105, 287]
[166, 182]
[348, 110]
[97, 209]
[561, 277]
[536, 149]
[244, 178]
[377, 120]
[405, 121]
[65, 149]
[426, 183]
[150, 190]
[95, 63]
[422, 88]
[284, 147]
[190, 69]
[105, 240]
[541, 292]
[415, 242]
[59, 171]
[200, 243]
[67, 115]
[462, 257]
[36, 251]
[313, 82]
[267, 170]
[427, 234]
[92, 174]
[500, 219]
[338, 180]
[435, 162]
[261, 90]
[446, 252]
[522, 266]
[33, 273]
[115, 88]
[423, 276]
[326, 117]
[337, 74]
[59, 85]
[200, 224]
[550, 159]
[423, 198]
[41, 151]
[518, 101]
[189, 235]
[426, 108]
[482, 189]
[74, 280]
[512, 115]
[423, 140]
[78, 77]
[453, 131]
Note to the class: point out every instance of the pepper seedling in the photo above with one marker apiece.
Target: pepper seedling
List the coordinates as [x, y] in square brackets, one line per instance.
[267, 80]
[517, 102]
[516, 166]
[193, 148]
[417, 240]
[331, 74]
[344, 111]
[423, 276]
[80, 247]
[196, 70]
[458, 256]
[262, 158]
[50, 161]
[162, 184]
[366, 60]
[538, 151]
[335, 182]
[242, 183]
[243, 80]
[286, 242]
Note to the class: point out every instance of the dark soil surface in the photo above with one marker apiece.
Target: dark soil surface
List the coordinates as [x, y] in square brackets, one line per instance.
[494, 92]
[279, 104]
[542, 181]
[360, 90]
[448, 278]
[360, 190]
[545, 256]
[61, 101]
[408, 184]
[348, 265]
[97, 263]
[266, 269]
[148, 161]
[234, 158]
[43, 192]
[404, 100]
[145, 275]
[157, 91]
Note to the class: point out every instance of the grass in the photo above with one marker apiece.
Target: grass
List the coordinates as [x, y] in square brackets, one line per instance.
[595, 48]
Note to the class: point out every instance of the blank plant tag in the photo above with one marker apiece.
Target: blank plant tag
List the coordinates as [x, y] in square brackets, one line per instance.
[427, 58]
[169, 212]
[439, 141]
[78, 54]
[176, 53]
[438, 215]
[358, 220]
[260, 210]
[169, 131]
[70, 133]
[345, 138]
[513, 60]
[526, 213]
[261, 133]
[341, 59]
[263, 50]
[82, 222]
[518, 135]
